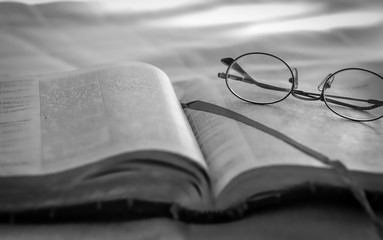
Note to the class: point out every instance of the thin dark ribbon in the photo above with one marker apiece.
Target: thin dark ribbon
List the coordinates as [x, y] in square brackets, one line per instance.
[340, 169]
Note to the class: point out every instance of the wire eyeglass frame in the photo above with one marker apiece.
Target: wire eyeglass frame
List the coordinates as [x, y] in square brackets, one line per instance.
[303, 95]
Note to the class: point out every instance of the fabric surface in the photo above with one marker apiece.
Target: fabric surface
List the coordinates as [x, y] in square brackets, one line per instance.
[187, 41]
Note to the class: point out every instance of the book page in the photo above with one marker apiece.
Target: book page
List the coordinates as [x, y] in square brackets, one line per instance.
[232, 148]
[20, 130]
[67, 120]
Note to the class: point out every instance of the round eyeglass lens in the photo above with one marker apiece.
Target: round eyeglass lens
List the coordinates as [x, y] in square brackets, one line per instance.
[259, 78]
[355, 93]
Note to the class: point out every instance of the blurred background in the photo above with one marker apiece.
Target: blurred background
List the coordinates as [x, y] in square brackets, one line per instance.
[188, 37]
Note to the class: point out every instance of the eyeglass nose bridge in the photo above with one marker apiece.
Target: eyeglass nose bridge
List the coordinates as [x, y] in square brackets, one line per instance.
[326, 83]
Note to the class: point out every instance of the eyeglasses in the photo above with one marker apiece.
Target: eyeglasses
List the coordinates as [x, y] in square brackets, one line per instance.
[262, 78]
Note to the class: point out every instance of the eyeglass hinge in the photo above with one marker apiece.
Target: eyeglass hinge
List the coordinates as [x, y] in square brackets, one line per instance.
[294, 79]
[326, 83]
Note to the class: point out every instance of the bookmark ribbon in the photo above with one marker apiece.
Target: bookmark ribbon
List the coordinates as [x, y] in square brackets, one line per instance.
[340, 169]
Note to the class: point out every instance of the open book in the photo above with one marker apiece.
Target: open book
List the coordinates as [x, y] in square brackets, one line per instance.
[94, 137]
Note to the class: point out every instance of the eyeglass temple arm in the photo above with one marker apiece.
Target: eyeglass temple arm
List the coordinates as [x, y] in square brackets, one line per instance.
[246, 77]
[376, 103]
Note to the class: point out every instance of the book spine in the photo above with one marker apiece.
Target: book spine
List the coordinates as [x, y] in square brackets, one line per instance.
[133, 209]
